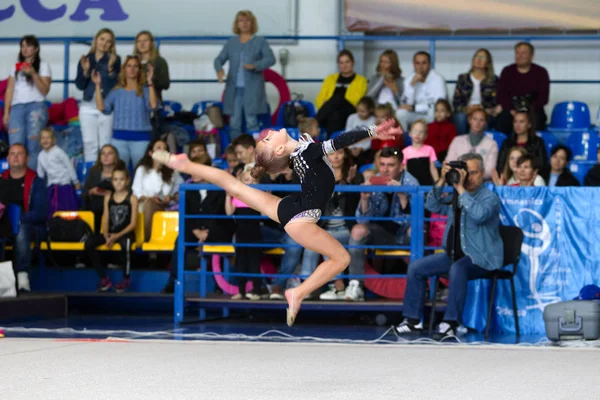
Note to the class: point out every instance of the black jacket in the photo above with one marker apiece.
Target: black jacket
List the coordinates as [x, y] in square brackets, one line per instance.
[219, 230]
[566, 178]
[592, 178]
[535, 146]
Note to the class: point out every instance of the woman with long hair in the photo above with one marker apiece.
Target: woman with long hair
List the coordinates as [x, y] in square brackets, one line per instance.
[298, 213]
[25, 111]
[387, 85]
[133, 99]
[476, 88]
[96, 126]
[523, 136]
[146, 50]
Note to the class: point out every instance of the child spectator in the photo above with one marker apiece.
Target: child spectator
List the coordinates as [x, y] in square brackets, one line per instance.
[118, 226]
[383, 112]
[56, 168]
[363, 117]
[310, 126]
[441, 131]
[232, 159]
[420, 158]
[247, 259]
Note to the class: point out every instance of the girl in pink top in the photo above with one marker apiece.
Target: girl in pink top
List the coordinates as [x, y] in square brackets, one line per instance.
[419, 158]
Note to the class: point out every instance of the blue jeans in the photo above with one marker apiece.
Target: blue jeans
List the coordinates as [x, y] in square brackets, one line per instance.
[235, 119]
[24, 126]
[131, 150]
[292, 255]
[459, 274]
[22, 254]
[310, 260]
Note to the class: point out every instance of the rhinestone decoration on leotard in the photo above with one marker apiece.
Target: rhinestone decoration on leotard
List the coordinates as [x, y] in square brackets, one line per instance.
[313, 214]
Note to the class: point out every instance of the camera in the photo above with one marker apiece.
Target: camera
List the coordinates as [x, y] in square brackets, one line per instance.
[453, 176]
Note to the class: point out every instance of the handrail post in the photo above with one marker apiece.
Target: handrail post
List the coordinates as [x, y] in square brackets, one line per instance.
[180, 280]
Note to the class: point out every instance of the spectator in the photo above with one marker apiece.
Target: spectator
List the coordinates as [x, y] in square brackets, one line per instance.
[476, 245]
[509, 173]
[592, 178]
[418, 158]
[248, 55]
[380, 204]
[341, 204]
[477, 88]
[247, 259]
[231, 158]
[387, 85]
[523, 86]
[339, 94]
[197, 148]
[523, 136]
[383, 112]
[57, 169]
[132, 104]
[21, 187]
[25, 112]
[118, 226]
[96, 126]
[155, 185]
[363, 118]
[209, 230]
[422, 89]
[558, 174]
[527, 170]
[310, 126]
[476, 142]
[245, 149]
[99, 182]
[442, 131]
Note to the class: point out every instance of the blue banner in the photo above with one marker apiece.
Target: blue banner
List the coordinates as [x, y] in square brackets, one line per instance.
[560, 254]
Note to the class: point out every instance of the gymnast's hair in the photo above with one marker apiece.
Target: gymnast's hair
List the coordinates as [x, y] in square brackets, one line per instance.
[267, 161]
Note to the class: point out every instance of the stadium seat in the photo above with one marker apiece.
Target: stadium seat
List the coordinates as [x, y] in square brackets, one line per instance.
[584, 145]
[210, 249]
[549, 139]
[336, 134]
[293, 132]
[311, 111]
[4, 165]
[170, 107]
[165, 228]
[580, 168]
[365, 167]
[570, 116]
[499, 137]
[86, 216]
[200, 107]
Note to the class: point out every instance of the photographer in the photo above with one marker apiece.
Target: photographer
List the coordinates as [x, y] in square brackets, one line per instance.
[473, 249]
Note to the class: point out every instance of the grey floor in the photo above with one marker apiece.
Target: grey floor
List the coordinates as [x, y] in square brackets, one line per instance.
[54, 369]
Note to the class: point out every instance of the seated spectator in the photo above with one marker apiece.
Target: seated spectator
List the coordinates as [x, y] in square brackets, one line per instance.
[592, 178]
[418, 158]
[310, 126]
[155, 185]
[387, 86]
[476, 247]
[477, 88]
[132, 103]
[245, 148]
[509, 174]
[380, 204]
[523, 136]
[197, 148]
[99, 182]
[341, 204]
[55, 167]
[422, 89]
[25, 112]
[383, 112]
[558, 174]
[118, 226]
[339, 94]
[364, 117]
[523, 86]
[231, 158]
[527, 170]
[209, 230]
[20, 186]
[442, 131]
[476, 142]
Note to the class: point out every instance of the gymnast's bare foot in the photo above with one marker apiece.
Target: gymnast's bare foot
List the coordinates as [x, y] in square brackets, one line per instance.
[170, 160]
[294, 303]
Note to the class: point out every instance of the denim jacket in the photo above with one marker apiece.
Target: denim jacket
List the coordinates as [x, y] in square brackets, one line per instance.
[108, 80]
[480, 217]
[379, 207]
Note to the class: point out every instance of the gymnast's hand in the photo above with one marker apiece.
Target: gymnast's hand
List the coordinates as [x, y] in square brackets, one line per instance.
[388, 130]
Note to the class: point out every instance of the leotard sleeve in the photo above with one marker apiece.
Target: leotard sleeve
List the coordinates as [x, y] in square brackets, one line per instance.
[316, 150]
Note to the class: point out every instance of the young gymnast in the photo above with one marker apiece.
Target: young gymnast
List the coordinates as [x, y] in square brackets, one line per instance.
[299, 212]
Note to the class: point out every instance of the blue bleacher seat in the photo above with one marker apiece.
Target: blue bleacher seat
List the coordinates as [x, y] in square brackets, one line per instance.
[365, 167]
[549, 139]
[499, 137]
[336, 134]
[170, 107]
[311, 110]
[570, 116]
[200, 107]
[580, 168]
[3, 165]
[584, 145]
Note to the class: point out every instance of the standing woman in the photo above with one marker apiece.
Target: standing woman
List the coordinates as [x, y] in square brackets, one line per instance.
[132, 100]
[96, 126]
[248, 55]
[25, 111]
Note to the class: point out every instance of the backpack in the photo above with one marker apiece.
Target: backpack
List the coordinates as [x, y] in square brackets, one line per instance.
[68, 230]
[292, 110]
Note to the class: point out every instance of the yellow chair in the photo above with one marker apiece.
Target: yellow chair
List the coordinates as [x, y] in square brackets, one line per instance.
[392, 253]
[210, 249]
[165, 228]
[86, 216]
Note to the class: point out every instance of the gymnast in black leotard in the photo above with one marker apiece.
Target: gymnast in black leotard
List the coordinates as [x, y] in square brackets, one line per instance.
[298, 212]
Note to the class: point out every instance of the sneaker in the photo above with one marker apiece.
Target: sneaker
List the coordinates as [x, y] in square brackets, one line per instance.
[354, 292]
[23, 282]
[238, 296]
[276, 293]
[444, 330]
[105, 284]
[333, 294]
[123, 285]
[406, 327]
[252, 296]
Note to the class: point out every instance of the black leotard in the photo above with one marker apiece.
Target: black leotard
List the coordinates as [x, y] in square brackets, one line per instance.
[312, 166]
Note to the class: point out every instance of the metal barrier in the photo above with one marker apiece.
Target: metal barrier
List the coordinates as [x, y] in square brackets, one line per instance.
[416, 248]
[342, 39]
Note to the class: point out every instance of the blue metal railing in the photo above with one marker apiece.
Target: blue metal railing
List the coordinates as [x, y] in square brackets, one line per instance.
[341, 40]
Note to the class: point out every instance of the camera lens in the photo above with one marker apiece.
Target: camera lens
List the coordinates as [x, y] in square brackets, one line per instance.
[452, 177]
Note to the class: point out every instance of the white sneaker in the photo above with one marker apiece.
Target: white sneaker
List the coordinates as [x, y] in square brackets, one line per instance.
[237, 296]
[333, 294]
[252, 296]
[354, 292]
[23, 281]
